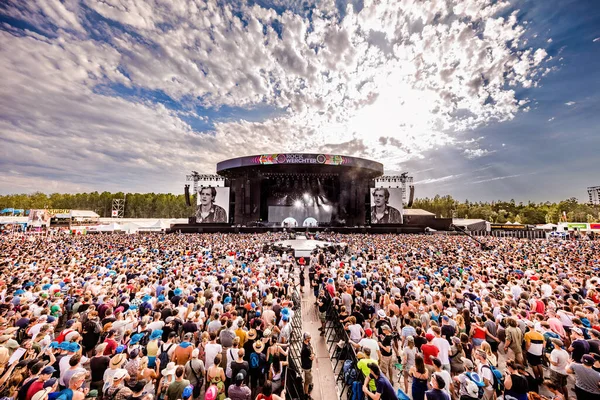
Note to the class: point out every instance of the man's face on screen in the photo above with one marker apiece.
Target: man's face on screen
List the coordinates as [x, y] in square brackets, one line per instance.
[205, 197]
[379, 198]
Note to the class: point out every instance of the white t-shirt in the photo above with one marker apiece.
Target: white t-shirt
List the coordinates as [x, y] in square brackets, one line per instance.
[444, 348]
[371, 344]
[486, 373]
[211, 350]
[355, 332]
[561, 357]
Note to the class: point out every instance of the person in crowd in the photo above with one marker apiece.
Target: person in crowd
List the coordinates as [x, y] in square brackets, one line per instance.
[438, 388]
[239, 391]
[384, 389]
[587, 381]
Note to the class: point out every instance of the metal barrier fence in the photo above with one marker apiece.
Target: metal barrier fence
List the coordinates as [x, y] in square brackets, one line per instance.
[537, 234]
[293, 374]
[335, 335]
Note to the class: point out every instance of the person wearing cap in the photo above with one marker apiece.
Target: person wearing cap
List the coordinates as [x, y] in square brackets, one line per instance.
[386, 348]
[587, 380]
[239, 391]
[115, 368]
[307, 355]
[117, 390]
[463, 380]
[44, 375]
[384, 390]
[579, 346]
[559, 360]
[429, 350]
[364, 359]
[183, 351]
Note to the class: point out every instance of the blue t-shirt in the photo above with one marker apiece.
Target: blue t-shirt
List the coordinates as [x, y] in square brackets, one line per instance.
[436, 394]
[385, 388]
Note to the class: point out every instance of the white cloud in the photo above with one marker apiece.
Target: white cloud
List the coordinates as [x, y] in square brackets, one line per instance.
[570, 103]
[438, 180]
[498, 178]
[476, 153]
[391, 82]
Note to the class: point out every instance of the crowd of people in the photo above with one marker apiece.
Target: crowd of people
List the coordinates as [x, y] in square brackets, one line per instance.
[207, 316]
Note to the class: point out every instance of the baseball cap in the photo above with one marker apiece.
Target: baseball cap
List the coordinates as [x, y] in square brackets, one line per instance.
[429, 337]
[587, 359]
[368, 332]
[49, 370]
[467, 363]
[50, 382]
[307, 335]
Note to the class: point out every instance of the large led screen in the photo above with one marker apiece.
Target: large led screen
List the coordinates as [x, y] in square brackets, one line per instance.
[212, 205]
[386, 206]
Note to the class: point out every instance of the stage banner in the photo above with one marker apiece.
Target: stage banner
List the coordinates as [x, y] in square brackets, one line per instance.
[386, 206]
[212, 205]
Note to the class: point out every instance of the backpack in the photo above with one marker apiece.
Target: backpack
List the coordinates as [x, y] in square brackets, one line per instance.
[498, 383]
[357, 392]
[61, 338]
[164, 356]
[254, 361]
[350, 375]
[114, 395]
[474, 387]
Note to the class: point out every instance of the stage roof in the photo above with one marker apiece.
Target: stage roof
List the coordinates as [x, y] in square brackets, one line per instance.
[300, 163]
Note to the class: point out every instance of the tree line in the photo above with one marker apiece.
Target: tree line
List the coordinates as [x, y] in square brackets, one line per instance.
[167, 205]
[505, 211]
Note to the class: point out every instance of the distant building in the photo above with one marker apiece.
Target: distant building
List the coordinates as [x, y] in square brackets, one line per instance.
[594, 194]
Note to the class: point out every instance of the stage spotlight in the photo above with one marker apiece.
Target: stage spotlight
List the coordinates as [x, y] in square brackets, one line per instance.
[298, 203]
[306, 196]
[326, 207]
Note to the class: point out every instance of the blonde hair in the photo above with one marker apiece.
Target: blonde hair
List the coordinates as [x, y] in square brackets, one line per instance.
[485, 346]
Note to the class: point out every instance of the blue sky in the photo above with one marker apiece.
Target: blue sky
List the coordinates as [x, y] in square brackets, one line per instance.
[478, 99]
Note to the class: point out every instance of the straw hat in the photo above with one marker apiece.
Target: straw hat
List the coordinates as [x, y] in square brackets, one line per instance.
[251, 334]
[117, 360]
[258, 346]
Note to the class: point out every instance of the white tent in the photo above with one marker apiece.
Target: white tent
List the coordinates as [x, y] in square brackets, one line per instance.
[130, 227]
[546, 227]
[110, 228]
[158, 226]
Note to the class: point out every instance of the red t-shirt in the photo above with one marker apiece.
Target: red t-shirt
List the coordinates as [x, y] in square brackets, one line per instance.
[110, 347]
[429, 350]
[33, 389]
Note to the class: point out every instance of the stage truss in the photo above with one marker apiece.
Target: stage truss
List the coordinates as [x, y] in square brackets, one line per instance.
[204, 180]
